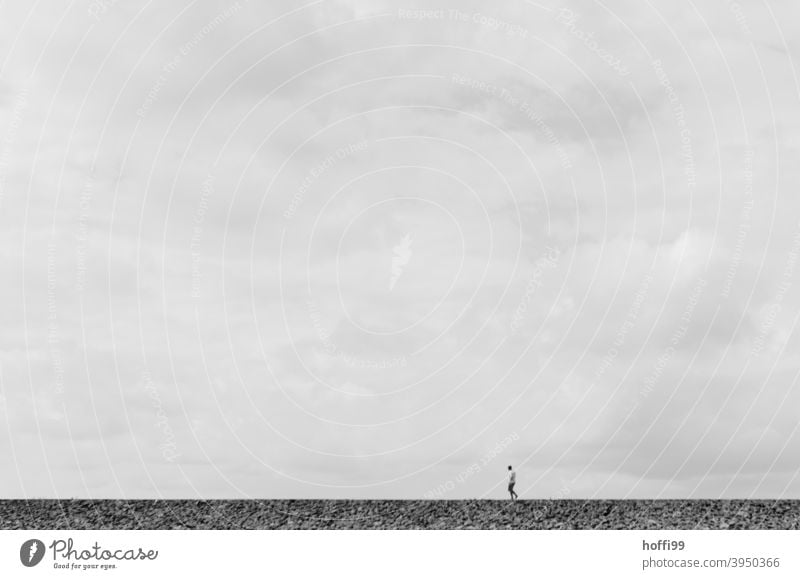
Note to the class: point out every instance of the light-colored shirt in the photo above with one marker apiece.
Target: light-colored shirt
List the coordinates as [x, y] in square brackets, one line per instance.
[512, 477]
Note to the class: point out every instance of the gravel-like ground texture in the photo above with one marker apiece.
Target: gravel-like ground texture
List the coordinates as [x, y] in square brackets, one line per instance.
[346, 514]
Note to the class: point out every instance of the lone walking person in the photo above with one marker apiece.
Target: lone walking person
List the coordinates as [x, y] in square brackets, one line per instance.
[512, 479]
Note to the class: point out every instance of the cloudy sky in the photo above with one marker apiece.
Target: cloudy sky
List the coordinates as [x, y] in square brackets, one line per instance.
[363, 249]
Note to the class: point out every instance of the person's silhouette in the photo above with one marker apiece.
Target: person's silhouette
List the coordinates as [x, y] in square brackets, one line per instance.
[512, 480]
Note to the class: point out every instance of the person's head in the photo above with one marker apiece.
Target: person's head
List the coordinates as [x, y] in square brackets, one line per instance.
[509, 467]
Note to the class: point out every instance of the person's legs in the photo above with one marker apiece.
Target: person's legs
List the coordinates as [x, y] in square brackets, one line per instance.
[512, 492]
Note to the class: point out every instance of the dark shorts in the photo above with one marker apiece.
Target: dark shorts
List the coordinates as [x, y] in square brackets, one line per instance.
[511, 486]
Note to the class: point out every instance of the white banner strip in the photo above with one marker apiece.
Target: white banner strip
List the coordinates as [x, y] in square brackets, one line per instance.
[389, 554]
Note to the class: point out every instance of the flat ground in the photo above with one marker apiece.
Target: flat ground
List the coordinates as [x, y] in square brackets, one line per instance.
[347, 514]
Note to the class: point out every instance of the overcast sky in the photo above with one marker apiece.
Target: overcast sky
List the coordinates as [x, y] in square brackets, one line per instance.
[362, 249]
